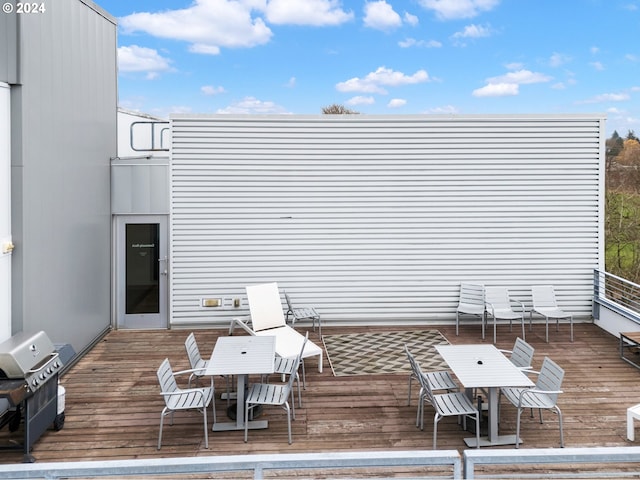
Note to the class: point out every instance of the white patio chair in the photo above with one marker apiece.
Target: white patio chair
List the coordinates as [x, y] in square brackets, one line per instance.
[521, 355]
[471, 303]
[273, 394]
[544, 303]
[199, 364]
[499, 305]
[439, 380]
[302, 313]
[449, 404]
[176, 398]
[543, 396]
[267, 319]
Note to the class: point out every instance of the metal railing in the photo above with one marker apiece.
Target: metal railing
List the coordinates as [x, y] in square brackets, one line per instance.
[624, 461]
[447, 464]
[596, 462]
[617, 294]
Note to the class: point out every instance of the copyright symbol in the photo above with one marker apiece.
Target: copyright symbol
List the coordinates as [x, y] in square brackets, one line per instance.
[7, 7]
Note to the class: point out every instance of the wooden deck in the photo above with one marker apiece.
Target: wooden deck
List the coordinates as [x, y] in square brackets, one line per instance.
[113, 407]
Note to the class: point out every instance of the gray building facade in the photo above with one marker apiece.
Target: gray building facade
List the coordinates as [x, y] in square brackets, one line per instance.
[61, 66]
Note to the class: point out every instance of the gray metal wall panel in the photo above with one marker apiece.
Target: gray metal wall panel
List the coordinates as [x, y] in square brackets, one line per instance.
[378, 219]
[64, 114]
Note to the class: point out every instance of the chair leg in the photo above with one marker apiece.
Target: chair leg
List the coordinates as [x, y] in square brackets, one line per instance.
[289, 421]
[206, 428]
[409, 397]
[518, 427]
[478, 428]
[246, 421]
[161, 424]
[547, 329]
[435, 430]
[560, 423]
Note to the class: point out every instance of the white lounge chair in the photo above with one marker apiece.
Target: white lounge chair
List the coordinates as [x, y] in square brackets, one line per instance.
[267, 319]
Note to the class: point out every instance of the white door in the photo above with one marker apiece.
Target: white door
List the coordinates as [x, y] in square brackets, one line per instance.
[142, 272]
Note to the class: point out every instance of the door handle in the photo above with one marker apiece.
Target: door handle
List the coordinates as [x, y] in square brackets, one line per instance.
[165, 261]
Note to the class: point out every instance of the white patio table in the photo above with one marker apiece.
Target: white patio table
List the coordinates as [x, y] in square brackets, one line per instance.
[484, 367]
[241, 356]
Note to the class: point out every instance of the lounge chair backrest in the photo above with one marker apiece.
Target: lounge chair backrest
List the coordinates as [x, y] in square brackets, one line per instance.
[265, 306]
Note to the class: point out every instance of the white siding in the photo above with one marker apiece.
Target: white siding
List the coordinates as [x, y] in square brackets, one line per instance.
[379, 218]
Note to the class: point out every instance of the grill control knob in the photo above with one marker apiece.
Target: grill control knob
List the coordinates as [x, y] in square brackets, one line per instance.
[42, 376]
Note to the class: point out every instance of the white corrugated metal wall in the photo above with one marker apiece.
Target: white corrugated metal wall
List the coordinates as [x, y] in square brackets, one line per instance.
[377, 219]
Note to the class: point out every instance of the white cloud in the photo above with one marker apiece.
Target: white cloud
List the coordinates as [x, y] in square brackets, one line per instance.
[396, 103]
[412, 42]
[251, 105]
[380, 15]
[456, 9]
[207, 25]
[631, 57]
[211, 90]
[520, 77]
[608, 97]
[597, 66]
[594, 50]
[306, 12]
[382, 77]
[473, 31]
[360, 100]
[411, 19]
[497, 90]
[291, 82]
[446, 109]
[133, 58]
[558, 59]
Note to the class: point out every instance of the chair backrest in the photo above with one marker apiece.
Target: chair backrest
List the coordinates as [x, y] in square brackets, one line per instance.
[550, 377]
[265, 306]
[296, 364]
[289, 304]
[543, 296]
[193, 352]
[415, 368]
[166, 379]
[426, 386]
[522, 354]
[498, 297]
[471, 298]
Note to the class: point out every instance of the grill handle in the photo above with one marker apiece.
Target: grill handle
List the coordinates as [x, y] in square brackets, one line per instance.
[51, 357]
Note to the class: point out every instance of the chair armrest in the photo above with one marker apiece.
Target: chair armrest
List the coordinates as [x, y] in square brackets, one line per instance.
[199, 391]
[505, 351]
[534, 391]
[244, 324]
[191, 370]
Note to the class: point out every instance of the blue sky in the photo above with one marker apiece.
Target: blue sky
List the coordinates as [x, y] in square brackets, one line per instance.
[381, 56]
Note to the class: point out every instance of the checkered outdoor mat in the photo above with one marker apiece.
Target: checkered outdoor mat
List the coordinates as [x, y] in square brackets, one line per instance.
[383, 353]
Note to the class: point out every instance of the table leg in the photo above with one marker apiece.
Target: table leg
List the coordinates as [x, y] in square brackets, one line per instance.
[492, 438]
[239, 423]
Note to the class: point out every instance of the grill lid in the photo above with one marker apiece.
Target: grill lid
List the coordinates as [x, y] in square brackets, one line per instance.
[23, 352]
